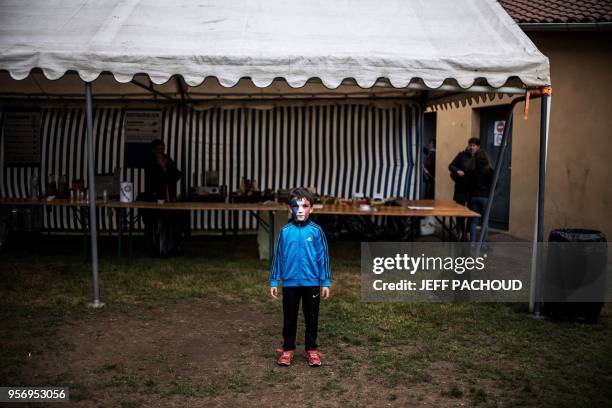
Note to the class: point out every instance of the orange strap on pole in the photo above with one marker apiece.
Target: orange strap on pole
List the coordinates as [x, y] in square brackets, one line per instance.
[545, 90]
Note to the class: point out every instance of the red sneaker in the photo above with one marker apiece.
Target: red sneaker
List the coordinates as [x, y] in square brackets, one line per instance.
[285, 357]
[314, 358]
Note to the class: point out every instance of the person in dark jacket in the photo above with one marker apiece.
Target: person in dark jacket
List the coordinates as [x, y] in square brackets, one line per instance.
[458, 169]
[163, 228]
[429, 169]
[161, 174]
[479, 177]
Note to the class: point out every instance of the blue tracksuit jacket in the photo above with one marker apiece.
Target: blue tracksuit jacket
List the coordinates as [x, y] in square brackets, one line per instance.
[301, 257]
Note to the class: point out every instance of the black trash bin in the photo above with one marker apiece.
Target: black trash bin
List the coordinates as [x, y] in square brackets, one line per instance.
[571, 267]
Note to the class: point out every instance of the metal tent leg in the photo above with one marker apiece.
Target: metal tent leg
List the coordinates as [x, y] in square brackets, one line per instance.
[93, 226]
[536, 272]
[420, 158]
[271, 237]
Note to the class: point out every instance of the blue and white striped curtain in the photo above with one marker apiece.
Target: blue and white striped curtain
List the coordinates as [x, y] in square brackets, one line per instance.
[337, 149]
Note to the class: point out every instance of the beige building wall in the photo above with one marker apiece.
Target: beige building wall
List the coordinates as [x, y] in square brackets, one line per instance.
[579, 169]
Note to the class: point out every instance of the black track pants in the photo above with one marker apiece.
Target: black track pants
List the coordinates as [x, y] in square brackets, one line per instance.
[310, 297]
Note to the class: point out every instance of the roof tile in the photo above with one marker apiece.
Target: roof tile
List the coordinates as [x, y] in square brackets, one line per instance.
[555, 11]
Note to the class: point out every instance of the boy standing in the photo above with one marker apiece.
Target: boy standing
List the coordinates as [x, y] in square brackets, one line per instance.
[301, 262]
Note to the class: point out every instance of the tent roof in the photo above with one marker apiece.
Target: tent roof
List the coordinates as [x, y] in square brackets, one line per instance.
[330, 42]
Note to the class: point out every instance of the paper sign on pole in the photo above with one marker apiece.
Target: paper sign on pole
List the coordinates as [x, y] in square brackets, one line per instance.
[498, 132]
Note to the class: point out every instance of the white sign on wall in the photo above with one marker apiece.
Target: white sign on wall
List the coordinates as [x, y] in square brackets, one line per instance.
[142, 126]
[498, 132]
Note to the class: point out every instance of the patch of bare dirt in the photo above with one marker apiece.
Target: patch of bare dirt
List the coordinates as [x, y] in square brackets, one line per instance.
[211, 353]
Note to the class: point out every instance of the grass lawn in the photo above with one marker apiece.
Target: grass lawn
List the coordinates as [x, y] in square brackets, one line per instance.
[200, 329]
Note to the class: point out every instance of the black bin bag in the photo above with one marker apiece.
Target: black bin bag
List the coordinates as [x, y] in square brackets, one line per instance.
[575, 270]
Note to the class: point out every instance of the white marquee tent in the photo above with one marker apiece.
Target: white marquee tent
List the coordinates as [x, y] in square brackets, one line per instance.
[195, 51]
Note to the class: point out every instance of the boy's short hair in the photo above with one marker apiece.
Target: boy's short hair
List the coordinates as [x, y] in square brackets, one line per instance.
[474, 140]
[301, 192]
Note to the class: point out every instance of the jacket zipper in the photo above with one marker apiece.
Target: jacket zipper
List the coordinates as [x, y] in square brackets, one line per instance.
[301, 252]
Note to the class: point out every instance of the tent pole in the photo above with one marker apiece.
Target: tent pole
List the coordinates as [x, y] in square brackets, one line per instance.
[534, 265]
[420, 128]
[539, 229]
[498, 166]
[544, 118]
[92, 197]
[152, 90]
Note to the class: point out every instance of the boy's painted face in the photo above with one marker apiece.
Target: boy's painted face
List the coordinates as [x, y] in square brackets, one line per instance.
[300, 209]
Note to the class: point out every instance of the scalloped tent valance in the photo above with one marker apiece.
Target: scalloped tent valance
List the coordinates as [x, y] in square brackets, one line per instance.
[363, 40]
